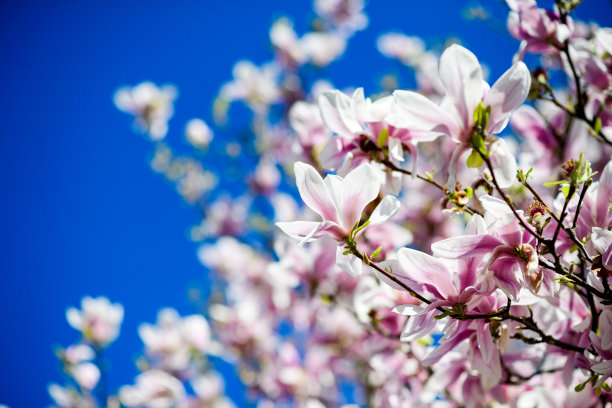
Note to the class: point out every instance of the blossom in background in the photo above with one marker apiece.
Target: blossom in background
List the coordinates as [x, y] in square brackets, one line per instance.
[173, 342]
[255, 86]
[406, 49]
[153, 388]
[539, 30]
[99, 320]
[198, 133]
[347, 15]
[151, 106]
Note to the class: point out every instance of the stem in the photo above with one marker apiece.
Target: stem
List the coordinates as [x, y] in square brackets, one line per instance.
[508, 201]
[504, 313]
[445, 190]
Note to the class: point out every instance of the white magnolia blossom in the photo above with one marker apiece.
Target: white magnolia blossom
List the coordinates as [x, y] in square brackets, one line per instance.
[198, 133]
[153, 389]
[152, 107]
[98, 320]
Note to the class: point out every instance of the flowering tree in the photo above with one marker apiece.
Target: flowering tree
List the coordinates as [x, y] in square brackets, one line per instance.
[438, 263]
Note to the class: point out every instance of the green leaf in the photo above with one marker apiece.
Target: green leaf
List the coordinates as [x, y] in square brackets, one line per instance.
[376, 252]
[597, 126]
[474, 160]
[580, 387]
[565, 190]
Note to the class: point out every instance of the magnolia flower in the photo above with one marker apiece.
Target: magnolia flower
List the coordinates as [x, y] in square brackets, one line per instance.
[198, 133]
[86, 374]
[340, 203]
[401, 47]
[355, 118]
[511, 251]
[173, 340]
[154, 389]
[540, 30]
[285, 42]
[256, 86]
[98, 320]
[345, 14]
[466, 91]
[151, 105]
[321, 48]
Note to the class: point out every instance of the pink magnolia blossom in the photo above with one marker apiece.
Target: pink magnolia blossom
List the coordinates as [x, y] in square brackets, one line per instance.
[510, 252]
[540, 30]
[462, 77]
[339, 201]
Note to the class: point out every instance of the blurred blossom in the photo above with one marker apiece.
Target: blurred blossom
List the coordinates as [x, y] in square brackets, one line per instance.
[198, 133]
[86, 375]
[257, 87]
[266, 176]
[347, 15]
[98, 320]
[154, 389]
[321, 48]
[401, 47]
[285, 41]
[67, 397]
[173, 341]
[151, 106]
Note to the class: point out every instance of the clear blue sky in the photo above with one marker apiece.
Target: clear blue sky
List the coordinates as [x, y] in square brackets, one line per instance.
[81, 212]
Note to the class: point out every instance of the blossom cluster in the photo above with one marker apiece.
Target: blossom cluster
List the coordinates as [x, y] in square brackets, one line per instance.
[454, 248]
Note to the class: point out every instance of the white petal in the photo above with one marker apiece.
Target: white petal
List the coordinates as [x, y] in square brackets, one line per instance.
[504, 163]
[421, 113]
[359, 188]
[337, 113]
[314, 191]
[386, 209]
[461, 74]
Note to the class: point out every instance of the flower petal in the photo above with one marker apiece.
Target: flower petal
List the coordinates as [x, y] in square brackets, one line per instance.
[314, 191]
[386, 209]
[359, 188]
[429, 271]
[465, 246]
[338, 114]
[419, 112]
[461, 74]
[507, 94]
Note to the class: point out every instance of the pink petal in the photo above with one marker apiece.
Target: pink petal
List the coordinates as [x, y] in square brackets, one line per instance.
[465, 246]
[428, 270]
[485, 340]
[604, 192]
[528, 123]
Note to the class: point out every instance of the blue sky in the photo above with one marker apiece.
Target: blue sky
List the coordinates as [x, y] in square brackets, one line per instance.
[82, 213]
